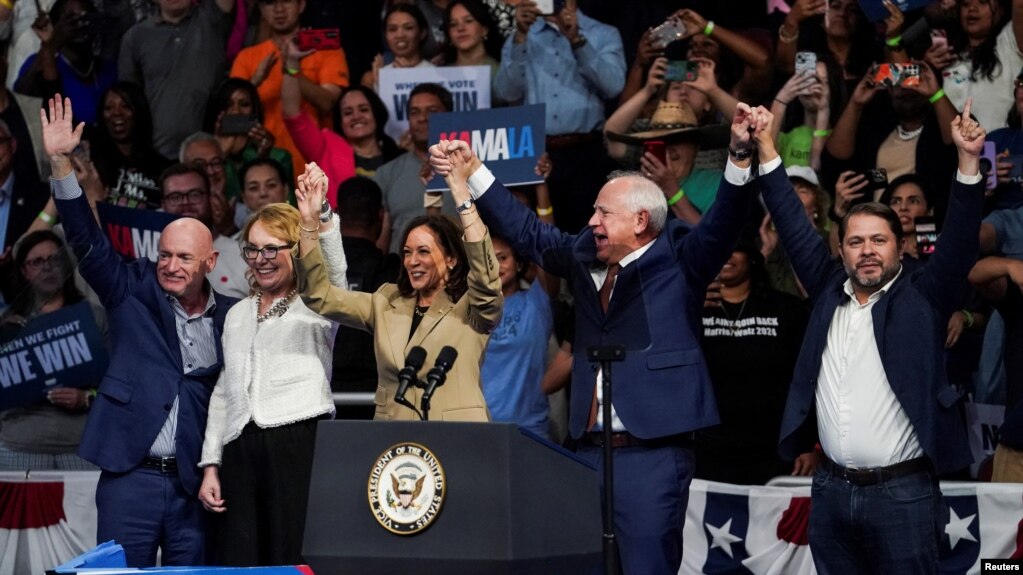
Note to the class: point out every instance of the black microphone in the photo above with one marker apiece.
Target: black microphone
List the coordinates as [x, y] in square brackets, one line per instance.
[439, 372]
[407, 375]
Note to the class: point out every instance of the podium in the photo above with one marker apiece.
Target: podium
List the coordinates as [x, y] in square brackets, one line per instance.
[509, 503]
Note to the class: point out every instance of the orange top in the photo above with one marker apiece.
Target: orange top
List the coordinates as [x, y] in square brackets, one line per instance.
[326, 67]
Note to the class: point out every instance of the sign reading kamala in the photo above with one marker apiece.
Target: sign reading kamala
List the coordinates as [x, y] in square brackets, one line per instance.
[508, 140]
[469, 87]
[135, 233]
[58, 349]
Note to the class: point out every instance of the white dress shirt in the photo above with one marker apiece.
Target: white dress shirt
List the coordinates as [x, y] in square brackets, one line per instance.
[859, 420]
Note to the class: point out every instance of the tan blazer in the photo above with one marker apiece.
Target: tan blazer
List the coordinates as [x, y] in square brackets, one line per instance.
[464, 325]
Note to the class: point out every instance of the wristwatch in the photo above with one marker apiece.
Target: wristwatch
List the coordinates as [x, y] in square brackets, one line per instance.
[464, 206]
[740, 154]
[325, 212]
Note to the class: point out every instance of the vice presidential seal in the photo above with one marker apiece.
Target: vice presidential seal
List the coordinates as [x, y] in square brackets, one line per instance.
[406, 488]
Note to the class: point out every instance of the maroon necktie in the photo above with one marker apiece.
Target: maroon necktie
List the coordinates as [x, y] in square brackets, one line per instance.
[605, 298]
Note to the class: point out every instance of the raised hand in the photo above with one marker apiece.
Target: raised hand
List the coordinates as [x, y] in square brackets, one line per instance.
[968, 135]
[848, 188]
[655, 77]
[439, 155]
[706, 80]
[742, 124]
[310, 193]
[263, 69]
[894, 21]
[797, 85]
[59, 137]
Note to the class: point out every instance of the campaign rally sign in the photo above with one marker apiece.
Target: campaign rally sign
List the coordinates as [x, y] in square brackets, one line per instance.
[508, 140]
[875, 11]
[58, 349]
[135, 233]
[469, 87]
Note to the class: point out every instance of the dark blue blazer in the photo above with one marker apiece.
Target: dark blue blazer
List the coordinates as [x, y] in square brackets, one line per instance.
[910, 322]
[145, 372]
[662, 387]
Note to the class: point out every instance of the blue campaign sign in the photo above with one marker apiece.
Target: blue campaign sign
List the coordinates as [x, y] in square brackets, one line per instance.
[508, 140]
[875, 10]
[58, 349]
[135, 233]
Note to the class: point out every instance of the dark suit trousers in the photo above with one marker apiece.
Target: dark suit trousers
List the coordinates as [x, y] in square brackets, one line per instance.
[145, 509]
[264, 481]
[651, 488]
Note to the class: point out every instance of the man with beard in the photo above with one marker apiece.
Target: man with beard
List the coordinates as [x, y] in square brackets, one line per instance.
[887, 419]
[186, 192]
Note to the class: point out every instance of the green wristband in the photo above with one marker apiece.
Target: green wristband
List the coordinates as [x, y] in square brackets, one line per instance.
[893, 42]
[968, 316]
[709, 28]
[937, 96]
[821, 133]
[678, 196]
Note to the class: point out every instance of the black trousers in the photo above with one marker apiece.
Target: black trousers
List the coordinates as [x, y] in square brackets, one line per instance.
[264, 481]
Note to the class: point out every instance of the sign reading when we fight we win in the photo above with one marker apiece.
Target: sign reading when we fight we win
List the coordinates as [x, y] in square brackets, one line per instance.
[508, 140]
[58, 349]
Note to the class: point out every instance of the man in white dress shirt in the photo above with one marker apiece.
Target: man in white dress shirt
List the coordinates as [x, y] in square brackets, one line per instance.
[871, 372]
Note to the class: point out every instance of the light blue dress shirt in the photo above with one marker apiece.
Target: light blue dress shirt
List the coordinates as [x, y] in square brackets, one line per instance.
[572, 83]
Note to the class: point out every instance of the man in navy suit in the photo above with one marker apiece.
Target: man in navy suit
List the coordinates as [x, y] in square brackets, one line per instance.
[871, 371]
[638, 282]
[147, 424]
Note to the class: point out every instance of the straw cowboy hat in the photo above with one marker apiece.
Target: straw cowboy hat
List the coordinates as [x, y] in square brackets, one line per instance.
[676, 123]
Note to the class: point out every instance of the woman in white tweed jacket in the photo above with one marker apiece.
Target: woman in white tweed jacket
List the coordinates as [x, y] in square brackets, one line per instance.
[260, 433]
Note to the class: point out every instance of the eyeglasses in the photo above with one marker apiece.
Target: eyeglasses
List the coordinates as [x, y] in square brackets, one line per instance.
[268, 252]
[190, 197]
[38, 263]
[214, 164]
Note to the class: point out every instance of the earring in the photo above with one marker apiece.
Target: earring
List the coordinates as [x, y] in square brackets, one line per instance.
[815, 215]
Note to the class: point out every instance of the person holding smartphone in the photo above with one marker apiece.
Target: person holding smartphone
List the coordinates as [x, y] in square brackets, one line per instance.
[573, 64]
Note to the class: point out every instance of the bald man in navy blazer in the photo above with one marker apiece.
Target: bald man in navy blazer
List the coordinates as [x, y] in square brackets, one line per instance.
[147, 424]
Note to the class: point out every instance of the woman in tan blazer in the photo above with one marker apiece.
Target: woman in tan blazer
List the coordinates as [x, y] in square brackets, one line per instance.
[448, 294]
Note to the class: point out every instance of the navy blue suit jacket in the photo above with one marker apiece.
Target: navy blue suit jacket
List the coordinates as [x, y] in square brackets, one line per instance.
[663, 387]
[910, 321]
[145, 372]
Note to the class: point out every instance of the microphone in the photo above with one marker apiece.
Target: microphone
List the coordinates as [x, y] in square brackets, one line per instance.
[407, 375]
[439, 372]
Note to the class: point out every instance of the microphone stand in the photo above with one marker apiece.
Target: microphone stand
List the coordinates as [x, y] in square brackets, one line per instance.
[606, 355]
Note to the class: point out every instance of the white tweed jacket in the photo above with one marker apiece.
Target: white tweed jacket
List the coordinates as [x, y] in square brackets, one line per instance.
[275, 372]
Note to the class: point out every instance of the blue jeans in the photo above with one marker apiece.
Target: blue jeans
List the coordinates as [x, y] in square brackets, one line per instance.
[893, 526]
[651, 494]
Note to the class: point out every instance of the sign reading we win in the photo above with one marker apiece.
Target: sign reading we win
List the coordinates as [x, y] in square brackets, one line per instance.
[508, 140]
[58, 349]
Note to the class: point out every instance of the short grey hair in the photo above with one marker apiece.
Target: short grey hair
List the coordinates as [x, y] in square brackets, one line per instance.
[644, 196]
[194, 138]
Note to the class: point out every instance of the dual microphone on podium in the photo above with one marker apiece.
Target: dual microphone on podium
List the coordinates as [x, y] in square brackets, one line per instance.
[408, 376]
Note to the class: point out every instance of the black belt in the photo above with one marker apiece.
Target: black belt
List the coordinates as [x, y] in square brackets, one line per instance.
[164, 464]
[873, 475]
[626, 439]
[569, 140]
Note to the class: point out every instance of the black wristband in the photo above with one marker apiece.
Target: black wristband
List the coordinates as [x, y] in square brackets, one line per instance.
[740, 154]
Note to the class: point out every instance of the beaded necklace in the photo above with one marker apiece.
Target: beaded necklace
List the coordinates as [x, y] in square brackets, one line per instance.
[276, 310]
